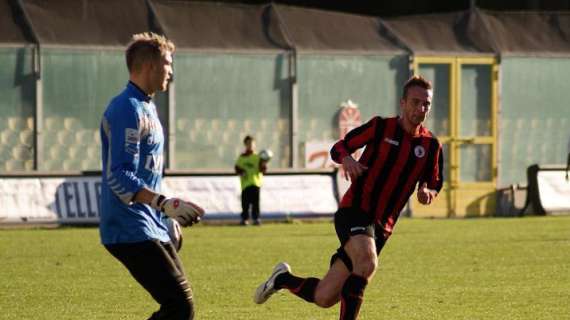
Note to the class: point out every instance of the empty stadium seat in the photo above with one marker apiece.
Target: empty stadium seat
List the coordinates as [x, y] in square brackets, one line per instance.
[198, 124]
[53, 124]
[220, 151]
[65, 137]
[215, 124]
[16, 123]
[83, 136]
[231, 125]
[313, 124]
[97, 137]
[76, 151]
[22, 153]
[214, 137]
[27, 137]
[71, 164]
[227, 137]
[93, 152]
[275, 137]
[248, 126]
[327, 135]
[71, 124]
[285, 154]
[5, 153]
[50, 165]
[183, 125]
[193, 136]
[57, 152]
[283, 125]
[48, 138]
[29, 165]
[15, 165]
[9, 137]
[90, 164]
[265, 124]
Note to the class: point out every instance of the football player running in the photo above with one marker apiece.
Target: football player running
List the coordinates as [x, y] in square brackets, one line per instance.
[400, 154]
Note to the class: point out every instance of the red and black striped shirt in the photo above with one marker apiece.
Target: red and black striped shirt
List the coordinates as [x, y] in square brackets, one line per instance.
[396, 162]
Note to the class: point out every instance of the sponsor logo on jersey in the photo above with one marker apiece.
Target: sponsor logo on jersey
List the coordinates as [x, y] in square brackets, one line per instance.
[154, 162]
[132, 135]
[131, 149]
[392, 142]
[354, 229]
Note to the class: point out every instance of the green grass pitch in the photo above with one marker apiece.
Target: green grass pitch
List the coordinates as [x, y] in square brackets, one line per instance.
[430, 269]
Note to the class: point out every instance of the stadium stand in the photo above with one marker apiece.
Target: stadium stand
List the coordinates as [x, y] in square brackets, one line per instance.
[16, 138]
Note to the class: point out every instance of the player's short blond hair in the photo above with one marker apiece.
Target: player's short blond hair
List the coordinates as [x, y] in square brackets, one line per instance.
[147, 47]
[416, 81]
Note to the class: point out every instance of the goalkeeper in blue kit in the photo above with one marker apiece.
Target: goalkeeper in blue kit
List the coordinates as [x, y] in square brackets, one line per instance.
[134, 214]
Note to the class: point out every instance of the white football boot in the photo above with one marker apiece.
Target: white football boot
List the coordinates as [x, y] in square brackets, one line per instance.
[267, 288]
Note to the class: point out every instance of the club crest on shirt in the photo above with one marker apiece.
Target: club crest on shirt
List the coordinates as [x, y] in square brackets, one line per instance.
[132, 136]
[419, 151]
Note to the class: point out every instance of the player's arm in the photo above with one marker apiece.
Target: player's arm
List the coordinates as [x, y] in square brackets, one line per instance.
[567, 165]
[432, 181]
[354, 140]
[124, 130]
[237, 167]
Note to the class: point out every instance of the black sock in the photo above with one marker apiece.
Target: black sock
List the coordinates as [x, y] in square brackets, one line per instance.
[351, 297]
[301, 287]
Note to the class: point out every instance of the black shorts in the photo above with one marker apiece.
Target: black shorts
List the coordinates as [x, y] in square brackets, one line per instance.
[157, 267]
[350, 222]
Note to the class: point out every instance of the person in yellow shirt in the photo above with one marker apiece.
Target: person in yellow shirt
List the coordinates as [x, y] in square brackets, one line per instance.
[250, 167]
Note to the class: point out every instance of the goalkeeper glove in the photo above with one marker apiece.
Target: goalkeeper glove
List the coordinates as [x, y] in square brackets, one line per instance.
[184, 212]
[174, 232]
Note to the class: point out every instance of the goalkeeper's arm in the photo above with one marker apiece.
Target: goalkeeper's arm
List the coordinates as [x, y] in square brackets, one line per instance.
[185, 212]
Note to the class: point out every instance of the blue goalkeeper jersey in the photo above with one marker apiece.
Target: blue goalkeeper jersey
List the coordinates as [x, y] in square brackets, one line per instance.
[132, 150]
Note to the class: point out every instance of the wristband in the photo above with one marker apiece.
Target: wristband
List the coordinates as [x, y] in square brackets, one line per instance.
[157, 202]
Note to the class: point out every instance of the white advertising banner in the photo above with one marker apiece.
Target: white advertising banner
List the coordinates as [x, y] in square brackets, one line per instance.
[554, 191]
[76, 199]
[284, 195]
[49, 199]
[317, 156]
